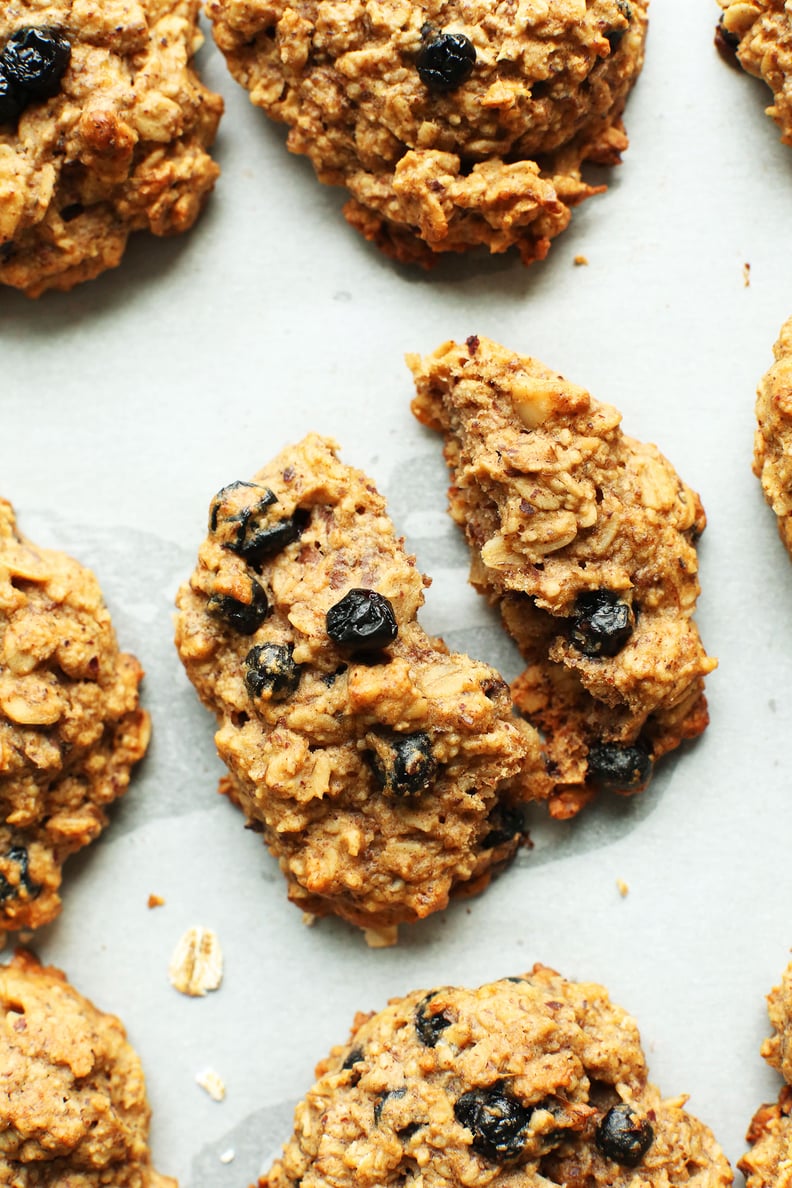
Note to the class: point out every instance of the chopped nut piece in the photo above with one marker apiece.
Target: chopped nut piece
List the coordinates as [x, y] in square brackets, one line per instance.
[156, 901]
[381, 938]
[212, 1083]
[197, 963]
[309, 919]
[624, 889]
[578, 260]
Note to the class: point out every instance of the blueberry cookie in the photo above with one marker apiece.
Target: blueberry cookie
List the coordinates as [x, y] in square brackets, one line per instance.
[768, 1163]
[104, 130]
[585, 539]
[773, 439]
[526, 1081]
[758, 35]
[382, 770]
[70, 724]
[73, 1108]
[451, 124]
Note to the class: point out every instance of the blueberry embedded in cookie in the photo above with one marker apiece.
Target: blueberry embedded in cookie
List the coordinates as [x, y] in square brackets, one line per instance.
[452, 125]
[71, 727]
[104, 130]
[73, 1108]
[384, 772]
[585, 539]
[530, 1080]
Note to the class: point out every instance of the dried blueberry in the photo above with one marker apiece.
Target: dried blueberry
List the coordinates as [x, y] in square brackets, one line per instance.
[244, 617]
[497, 1122]
[403, 763]
[602, 624]
[618, 768]
[445, 61]
[257, 531]
[727, 44]
[34, 61]
[271, 671]
[624, 1137]
[11, 99]
[9, 890]
[506, 824]
[382, 1099]
[430, 1026]
[363, 620]
[615, 35]
[353, 1057]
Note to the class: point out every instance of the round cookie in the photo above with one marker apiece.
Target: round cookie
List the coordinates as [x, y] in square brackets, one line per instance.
[522, 1082]
[768, 1163]
[772, 463]
[73, 1108]
[104, 130]
[585, 539]
[451, 124]
[71, 727]
[759, 34]
[383, 771]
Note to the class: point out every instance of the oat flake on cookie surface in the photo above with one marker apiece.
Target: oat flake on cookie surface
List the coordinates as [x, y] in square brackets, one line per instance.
[71, 727]
[384, 772]
[451, 124]
[73, 1107]
[104, 130]
[522, 1083]
[585, 539]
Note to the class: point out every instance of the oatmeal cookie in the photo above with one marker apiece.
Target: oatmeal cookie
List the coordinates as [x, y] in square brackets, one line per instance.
[452, 125]
[70, 724]
[380, 768]
[585, 539]
[104, 130]
[758, 35]
[772, 462]
[73, 1108]
[526, 1081]
[769, 1162]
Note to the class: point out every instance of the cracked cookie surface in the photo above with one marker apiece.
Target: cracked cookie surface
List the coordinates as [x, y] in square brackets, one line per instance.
[768, 1164]
[585, 539]
[452, 125]
[73, 1108]
[70, 724]
[121, 145]
[526, 1081]
[382, 770]
[772, 462]
[759, 34]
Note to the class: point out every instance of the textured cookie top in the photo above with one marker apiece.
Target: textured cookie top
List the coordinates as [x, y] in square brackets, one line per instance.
[523, 1081]
[376, 760]
[760, 33]
[772, 462]
[70, 723]
[118, 147]
[452, 124]
[73, 1106]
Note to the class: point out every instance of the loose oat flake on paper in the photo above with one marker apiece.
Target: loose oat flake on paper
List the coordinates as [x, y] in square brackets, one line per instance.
[196, 966]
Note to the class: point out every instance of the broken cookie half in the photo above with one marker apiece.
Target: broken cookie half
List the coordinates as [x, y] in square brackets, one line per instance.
[383, 771]
[585, 539]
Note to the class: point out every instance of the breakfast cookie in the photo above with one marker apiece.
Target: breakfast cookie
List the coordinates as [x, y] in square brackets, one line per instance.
[104, 130]
[73, 1108]
[526, 1081]
[585, 539]
[773, 439]
[70, 724]
[380, 768]
[452, 125]
[758, 35]
[769, 1162]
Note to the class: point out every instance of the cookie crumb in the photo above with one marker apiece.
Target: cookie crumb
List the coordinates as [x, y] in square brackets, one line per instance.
[580, 260]
[308, 919]
[381, 938]
[197, 963]
[746, 275]
[155, 901]
[212, 1083]
[26, 937]
[624, 889]
[228, 1156]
